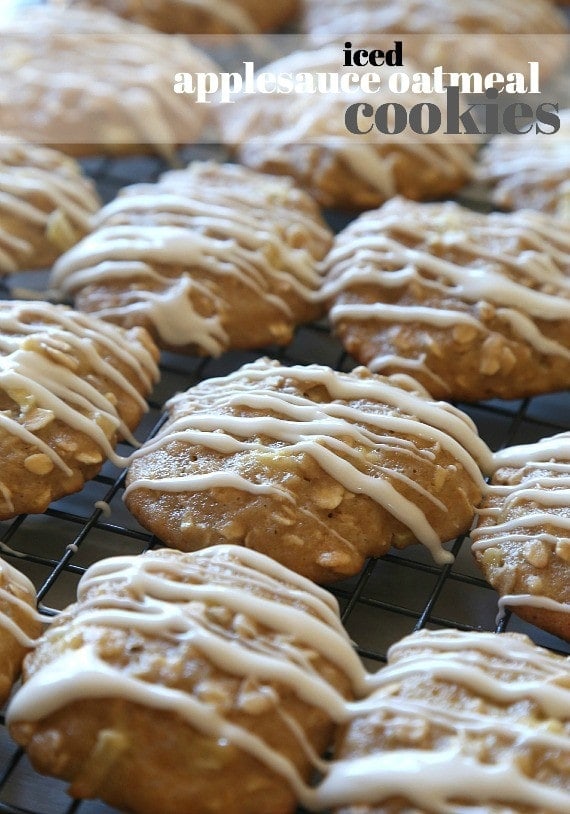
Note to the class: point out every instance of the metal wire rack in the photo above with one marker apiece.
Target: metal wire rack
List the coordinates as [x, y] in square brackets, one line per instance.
[390, 598]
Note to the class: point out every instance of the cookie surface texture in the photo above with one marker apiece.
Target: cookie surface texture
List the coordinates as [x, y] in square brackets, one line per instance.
[304, 135]
[460, 721]
[522, 539]
[19, 624]
[46, 204]
[212, 678]
[315, 468]
[209, 258]
[71, 386]
[89, 82]
[474, 306]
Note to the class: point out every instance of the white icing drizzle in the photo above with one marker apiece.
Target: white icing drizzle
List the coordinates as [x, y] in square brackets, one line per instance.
[334, 434]
[370, 251]
[11, 576]
[215, 233]
[167, 597]
[47, 383]
[118, 90]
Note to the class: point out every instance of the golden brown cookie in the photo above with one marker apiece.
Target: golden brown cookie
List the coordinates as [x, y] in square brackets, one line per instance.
[485, 36]
[522, 539]
[474, 306]
[71, 386]
[208, 258]
[305, 135]
[531, 172]
[460, 721]
[202, 16]
[20, 625]
[318, 469]
[45, 205]
[88, 82]
[211, 678]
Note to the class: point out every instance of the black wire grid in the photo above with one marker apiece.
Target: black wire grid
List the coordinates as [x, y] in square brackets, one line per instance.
[390, 598]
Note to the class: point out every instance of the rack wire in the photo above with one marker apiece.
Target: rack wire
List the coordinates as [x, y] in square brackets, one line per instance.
[390, 598]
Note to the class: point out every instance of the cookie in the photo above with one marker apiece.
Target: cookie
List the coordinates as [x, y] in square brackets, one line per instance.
[522, 539]
[487, 36]
[316, 468]
[88, 82]
[211, 678]
[70, 387]
[474, 306]
[209, 258]
[20, 625]
[461, 721]
[45, 205]
[304, 135]
[530, 173]
[201, 16]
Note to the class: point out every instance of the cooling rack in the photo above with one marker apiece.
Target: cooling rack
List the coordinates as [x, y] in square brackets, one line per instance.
[390, 598]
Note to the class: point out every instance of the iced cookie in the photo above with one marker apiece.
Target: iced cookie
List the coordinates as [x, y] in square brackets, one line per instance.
[474, 306]
[316, 468]
[209, 258]
[71, 386]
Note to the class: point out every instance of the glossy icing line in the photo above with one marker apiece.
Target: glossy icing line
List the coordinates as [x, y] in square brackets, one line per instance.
[10, 576]
[336, 435]
[165, 597]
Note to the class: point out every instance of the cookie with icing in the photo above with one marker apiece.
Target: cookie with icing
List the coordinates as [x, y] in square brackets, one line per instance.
[88, 82]
[530, 173]
[202, 16]
[213, 678]
[474, 306]
[305, 135]
[522, 539]
[209, 258]
[487, 36]
[45, 205]
[71, 386]
[460, 721]
[316, 468]
[20, 625]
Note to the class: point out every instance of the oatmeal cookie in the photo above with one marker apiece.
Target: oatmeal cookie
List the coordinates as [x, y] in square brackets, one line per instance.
[46, 204]
[20, 625]
[71, 386]
[532, 172]
[522, 539]
[209, 258]
[316, 468]
[474, 306]
[88, 82]
[460, 721]
[213, 679]
[305, 135]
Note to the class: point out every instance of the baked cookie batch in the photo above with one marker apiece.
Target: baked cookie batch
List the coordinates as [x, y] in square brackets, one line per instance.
[220, 657]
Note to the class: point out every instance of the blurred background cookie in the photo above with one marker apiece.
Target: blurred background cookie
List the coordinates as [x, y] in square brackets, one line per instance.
[20, 625]
[522, 539]
[208, 258]
[316, 468]
[531, 172]
[45, 205]
[202, 16]
[183, 670]
[88, 82]
[474, 306]
[305, 135]
[71, 386]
